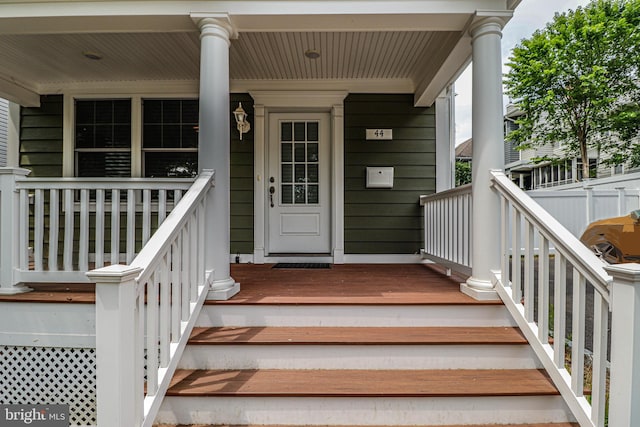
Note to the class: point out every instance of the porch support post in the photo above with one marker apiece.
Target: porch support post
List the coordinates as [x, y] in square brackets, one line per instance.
[10, 225]
[214, 152]
[488, 152]
[625, 345]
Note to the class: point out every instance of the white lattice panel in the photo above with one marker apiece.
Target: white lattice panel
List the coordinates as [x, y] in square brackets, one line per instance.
[46, 375]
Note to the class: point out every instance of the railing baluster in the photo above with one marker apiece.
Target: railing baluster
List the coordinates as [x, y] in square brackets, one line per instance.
[152, 335]
[504, 239]
[38, 231]
[146, 216]
[165, 312]
[83, 243]
[200, 234]
[543, 290]
[176, 294]
[193, 259]
[516, 261]
[69, 215]
[184, 273]
[131, 225]
[24, 230]
[577, 334]
[599, 365]
[559, 309]
[115, 226]
[162, 206]
[528, 271]
[54, 226]
[100, 234]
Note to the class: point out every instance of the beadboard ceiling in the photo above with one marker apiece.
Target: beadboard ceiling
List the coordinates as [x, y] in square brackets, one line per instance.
[55, 62]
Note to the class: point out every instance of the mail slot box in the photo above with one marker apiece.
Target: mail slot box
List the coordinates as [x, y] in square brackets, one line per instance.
[379, 177]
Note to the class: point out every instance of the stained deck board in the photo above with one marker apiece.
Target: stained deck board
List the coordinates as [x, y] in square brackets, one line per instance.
[78, 293]
[362, 383]
[356, 335]
[347, 284]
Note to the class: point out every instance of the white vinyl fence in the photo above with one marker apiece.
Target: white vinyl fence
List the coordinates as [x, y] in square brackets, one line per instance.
[576, 209]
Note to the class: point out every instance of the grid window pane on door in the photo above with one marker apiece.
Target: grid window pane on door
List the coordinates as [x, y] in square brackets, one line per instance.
[299, 159]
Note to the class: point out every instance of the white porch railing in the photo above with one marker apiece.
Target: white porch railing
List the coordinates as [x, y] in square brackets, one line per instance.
[65, 226]
[542, 295]
[447, 227]
[150, 304]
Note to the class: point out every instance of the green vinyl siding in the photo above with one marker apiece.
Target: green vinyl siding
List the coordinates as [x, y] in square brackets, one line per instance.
[41, 137]
[387, 221]
[241, 179]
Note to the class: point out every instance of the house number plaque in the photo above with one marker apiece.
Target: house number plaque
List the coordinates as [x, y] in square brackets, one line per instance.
[379, 134]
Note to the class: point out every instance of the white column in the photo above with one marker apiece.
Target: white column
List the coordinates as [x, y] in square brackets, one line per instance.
[625, 345]
[259, 186]
[337, 129]
[214, 152]
[13, 135]
[488, 153]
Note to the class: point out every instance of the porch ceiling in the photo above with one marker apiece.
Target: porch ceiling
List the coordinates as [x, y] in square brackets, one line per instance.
[409, 46]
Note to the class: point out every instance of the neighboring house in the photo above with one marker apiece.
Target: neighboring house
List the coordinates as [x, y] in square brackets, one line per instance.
[4, 117]
[464, 151]
[535, 175]
[161, 141]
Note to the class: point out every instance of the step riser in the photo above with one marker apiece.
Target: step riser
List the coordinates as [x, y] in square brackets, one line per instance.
[358, 357]
[319, 315]
[363, 411]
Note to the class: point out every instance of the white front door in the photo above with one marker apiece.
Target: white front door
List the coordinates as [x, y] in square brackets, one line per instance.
[298, 192]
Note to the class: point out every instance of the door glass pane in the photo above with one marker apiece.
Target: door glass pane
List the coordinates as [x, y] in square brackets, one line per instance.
[312, 131]
[286, 131]
[299, 131]
[300, 173]
[300, 194]
[312, 152]
[286, 154]
[299, 152]
[287, 175]
[312, 194]
[312, 173]
[287, 192]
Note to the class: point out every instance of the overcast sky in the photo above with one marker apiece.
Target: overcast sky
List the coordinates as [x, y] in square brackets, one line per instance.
[529, 16]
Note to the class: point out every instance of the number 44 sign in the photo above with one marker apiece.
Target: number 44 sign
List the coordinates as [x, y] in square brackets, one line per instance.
[380, 134]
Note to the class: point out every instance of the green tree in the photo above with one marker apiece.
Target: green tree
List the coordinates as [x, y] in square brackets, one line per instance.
[578, 84]
[463, 173]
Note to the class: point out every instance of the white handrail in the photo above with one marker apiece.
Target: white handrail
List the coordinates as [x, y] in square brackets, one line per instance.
[524, 222]
[160, 295]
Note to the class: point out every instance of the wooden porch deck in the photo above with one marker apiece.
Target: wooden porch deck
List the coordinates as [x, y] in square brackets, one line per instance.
[349, 284]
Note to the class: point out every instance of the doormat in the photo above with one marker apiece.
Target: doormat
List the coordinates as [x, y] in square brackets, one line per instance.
[302, 265]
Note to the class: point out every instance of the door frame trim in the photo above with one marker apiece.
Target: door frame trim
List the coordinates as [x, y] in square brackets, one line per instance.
[267, 102]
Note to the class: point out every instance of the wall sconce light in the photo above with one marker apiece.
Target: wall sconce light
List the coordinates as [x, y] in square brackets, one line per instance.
[241, 119]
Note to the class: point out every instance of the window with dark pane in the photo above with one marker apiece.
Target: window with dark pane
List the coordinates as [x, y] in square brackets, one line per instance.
[103, 138]
[299, 162]
[170, 137]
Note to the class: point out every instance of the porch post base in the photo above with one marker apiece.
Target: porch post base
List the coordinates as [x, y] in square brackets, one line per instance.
[480, 290]
[14, 290]
[222, 290]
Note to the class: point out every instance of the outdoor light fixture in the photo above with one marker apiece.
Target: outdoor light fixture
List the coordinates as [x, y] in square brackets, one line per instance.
[241, 120]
